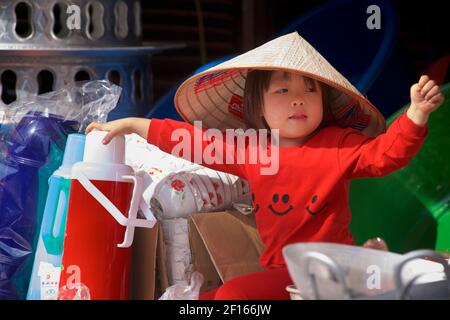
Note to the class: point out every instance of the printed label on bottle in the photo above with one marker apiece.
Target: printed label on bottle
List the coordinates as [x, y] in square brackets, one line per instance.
[49, 280]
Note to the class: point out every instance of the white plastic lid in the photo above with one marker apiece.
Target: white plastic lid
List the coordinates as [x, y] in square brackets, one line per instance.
[97, 152]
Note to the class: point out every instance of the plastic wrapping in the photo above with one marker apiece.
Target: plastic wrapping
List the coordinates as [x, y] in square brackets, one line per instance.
[183, 292]
[178, 253]
[77, 291]
[175, 187]
[82, 102]
[33, 134]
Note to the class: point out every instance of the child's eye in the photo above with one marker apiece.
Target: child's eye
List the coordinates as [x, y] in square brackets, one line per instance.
[310, 89]
[281, 91]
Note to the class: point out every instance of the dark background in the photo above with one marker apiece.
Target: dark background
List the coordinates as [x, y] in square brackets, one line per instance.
[234, 26]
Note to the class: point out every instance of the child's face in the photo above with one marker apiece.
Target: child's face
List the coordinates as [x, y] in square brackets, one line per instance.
[293, 104]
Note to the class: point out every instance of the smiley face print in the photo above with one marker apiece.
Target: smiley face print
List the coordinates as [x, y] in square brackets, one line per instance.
[255, 205]
[280, 208]
[313, 208]
[281, 205]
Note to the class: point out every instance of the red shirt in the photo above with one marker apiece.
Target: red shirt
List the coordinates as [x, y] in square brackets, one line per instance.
[307, 200]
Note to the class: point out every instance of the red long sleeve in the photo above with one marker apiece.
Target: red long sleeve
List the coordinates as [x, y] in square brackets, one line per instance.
[359, 156]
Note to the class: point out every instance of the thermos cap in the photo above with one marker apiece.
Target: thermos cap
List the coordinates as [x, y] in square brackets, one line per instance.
[97, 152]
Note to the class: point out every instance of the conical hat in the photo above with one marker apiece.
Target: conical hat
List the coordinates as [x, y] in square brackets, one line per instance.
[215, 96]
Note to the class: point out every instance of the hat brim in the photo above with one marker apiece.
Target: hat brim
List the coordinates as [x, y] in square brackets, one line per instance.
[215, 96]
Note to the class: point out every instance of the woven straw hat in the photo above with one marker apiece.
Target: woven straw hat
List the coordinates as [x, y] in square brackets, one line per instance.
[215, 96]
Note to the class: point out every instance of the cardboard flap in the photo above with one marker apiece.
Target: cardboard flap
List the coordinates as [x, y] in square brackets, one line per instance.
[201, 260]
[144, 263]
[231, 240]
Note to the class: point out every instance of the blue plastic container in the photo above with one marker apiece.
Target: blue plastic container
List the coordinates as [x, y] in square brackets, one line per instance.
[32, 151]
[46, 271]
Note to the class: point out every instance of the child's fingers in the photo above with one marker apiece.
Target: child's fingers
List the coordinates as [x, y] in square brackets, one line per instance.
[110, 135]
[438, 98]
[89, 128]
[433, 91]
[427, 87]
[93, 126]
[423, 79]
[416, 88]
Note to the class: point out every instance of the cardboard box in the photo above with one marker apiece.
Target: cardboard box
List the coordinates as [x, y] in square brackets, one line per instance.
[143, 282]
[224, 245]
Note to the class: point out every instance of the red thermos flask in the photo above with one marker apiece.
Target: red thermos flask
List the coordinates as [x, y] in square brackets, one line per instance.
[105, 196]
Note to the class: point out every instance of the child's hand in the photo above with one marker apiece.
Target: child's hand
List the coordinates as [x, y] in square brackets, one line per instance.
[426, 97]
[121, 127]
[114, 128]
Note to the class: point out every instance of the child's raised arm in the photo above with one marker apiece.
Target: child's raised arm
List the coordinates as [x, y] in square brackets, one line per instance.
[360, 156]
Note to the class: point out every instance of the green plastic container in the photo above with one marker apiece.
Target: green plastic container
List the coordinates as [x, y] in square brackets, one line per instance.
[410, 207]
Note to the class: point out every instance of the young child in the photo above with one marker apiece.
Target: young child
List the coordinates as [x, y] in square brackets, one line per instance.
[327, 134]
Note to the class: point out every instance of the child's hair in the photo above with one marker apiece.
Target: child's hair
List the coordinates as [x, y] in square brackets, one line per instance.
[257, 83]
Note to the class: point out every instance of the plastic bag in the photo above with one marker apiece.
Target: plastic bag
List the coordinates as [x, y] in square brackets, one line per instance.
[77, 291]
[82, 102]
[33, 133]
[183, 292]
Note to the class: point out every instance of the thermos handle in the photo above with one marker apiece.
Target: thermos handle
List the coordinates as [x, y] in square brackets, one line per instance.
[100, 197]
[136, 203]
[148, 214]
[131, 221]
[53, 243]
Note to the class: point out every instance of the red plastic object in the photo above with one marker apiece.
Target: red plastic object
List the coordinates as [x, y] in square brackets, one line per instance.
[90, 245]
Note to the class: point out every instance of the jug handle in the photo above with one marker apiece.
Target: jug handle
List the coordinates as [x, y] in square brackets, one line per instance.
[331, 265]
[149, 220]
[61, 213]
[418, 254]
[131, 222]
[101, 198]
